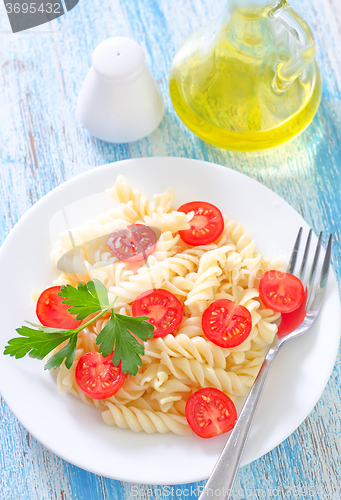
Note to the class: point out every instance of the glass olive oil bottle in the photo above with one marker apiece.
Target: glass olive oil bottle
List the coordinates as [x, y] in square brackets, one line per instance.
[249, 80]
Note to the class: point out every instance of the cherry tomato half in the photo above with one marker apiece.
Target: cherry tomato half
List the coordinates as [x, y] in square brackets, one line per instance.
[206, 225]
[97, 377]
[226, 324]
[281, 292]
[51, 312]
[290, 321]
[210, 412]
[133, 244]
[162, 307]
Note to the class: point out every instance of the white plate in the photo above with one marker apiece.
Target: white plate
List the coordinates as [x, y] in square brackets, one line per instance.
[77, 432]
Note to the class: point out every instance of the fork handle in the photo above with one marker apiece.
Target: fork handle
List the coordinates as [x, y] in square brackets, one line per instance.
[220, 482]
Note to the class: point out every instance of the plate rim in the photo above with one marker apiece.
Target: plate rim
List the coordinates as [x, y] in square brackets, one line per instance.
[96, 171]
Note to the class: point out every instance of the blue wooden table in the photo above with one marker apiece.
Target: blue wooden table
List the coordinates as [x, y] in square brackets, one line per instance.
[43, 145]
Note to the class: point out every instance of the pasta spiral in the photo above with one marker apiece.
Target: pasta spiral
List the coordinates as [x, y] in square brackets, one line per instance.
[191, 348]
[145, 420]
[205, 375]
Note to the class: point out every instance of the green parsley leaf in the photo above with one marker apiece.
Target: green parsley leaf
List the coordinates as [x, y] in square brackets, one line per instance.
[116, 335]
[37, 343]
[67, 353]
[86, 299]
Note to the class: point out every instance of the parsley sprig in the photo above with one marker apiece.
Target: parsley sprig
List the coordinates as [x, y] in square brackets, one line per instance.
[85, 300]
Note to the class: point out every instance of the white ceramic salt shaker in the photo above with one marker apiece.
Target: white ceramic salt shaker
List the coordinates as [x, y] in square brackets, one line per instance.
[119, 100]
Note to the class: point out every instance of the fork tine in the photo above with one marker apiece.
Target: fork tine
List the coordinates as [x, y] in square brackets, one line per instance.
[319, 295]
[305, 258]
[293, 258]
[312, 274]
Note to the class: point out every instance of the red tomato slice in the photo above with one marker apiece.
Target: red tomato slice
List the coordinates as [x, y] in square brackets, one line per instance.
[206, 225]
[226, 324]
[133, 244]
[162, 307]
[210, 412]
[281, 292]
[290, 321]
[97, 377]
[51, 312]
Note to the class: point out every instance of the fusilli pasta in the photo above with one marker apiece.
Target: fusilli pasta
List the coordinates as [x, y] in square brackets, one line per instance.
[175, 366]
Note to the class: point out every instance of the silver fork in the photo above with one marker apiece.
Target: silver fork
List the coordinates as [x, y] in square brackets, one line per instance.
[220, 482]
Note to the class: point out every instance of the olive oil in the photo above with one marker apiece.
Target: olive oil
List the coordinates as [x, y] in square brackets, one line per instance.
[227, 95]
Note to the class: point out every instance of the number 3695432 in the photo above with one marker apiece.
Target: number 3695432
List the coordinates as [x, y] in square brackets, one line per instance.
[32, 8]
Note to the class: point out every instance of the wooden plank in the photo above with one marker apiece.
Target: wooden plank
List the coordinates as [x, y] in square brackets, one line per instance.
[42, 145]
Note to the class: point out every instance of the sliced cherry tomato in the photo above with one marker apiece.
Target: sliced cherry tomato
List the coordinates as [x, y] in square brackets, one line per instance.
[162, 307]
[206, 225]
[281, 292]
[210, 412]
[226, 324]
[133, 244]
[290, 321]
[51, 312]
[97, 377]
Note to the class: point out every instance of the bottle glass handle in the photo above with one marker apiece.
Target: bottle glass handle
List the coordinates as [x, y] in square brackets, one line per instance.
[287, 73]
